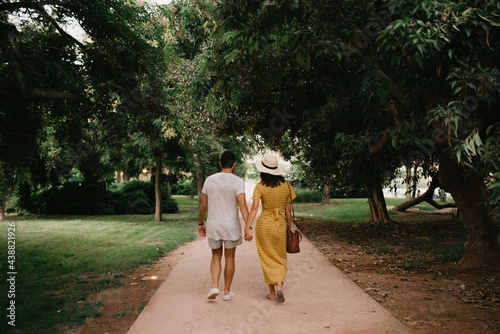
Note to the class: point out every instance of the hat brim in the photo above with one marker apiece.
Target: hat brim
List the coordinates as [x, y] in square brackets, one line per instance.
[261, 168]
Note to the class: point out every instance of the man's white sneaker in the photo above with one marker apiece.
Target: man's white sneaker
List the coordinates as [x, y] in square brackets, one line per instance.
[213, 293]
[228, 297]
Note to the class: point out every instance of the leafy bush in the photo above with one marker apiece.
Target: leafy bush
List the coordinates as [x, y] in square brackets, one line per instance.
[182, 188]
[134, 197]
[140, 197]
[308, 196]
[70, 199]
[119, 202]
[169, 205]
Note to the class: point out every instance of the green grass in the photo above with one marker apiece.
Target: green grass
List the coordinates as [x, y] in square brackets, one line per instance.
[341, 210]
[185, 202]
[61, 260]
[349, 209]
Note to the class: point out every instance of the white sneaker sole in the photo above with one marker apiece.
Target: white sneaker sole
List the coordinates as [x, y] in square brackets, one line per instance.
[212, 294]
[228, 297]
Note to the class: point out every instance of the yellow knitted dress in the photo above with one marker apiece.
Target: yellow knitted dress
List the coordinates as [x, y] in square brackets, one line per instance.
[270, 230]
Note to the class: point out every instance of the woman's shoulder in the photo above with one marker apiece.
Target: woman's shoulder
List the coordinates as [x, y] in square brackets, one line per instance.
[259, 185]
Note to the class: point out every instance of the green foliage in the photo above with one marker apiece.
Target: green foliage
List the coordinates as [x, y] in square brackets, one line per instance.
[140, 196]
[494, 190]
[134, 197]
[169, 205]
[70, 198]
[308, 196]
[184, 187]
[347, 191]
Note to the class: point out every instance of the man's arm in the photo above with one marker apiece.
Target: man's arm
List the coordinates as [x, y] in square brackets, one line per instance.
[243, 205]
[202, 229]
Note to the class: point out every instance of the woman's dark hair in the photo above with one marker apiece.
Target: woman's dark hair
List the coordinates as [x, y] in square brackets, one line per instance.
[227, 159]
[271, 180]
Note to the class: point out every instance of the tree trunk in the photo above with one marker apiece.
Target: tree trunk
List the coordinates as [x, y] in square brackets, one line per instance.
[158, 216]
[169, 190]
[408, 182]
[3, 200]
[425, 197]
[376, 200]
[200, 180]
[442, 195]
[126, 177]
[468, 189]
[415, 182]
[118, 176]
[326, 194]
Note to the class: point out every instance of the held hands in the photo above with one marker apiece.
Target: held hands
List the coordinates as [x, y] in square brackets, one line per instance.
[248, 234]
[202, 231]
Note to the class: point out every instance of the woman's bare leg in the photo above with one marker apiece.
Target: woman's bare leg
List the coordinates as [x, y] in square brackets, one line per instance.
[279, 292]
[272, 293]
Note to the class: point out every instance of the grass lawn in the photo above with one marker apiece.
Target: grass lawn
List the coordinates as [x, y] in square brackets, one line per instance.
[423, 237]
[61, 260]
[349, 209]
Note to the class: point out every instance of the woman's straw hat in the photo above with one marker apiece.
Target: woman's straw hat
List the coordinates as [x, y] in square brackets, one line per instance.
[269, 165]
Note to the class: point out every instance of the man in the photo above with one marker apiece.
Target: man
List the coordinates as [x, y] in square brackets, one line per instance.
[221, 194]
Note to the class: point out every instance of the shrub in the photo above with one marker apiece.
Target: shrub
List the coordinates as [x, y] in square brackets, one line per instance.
[134, 197]
[182, 188]
[308, 196]
[140, 197]
[119, 202]
[70, 199]
[169, 205]
[136, 190]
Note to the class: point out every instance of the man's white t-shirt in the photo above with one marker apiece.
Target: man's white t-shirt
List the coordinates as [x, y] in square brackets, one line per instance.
[223, 222]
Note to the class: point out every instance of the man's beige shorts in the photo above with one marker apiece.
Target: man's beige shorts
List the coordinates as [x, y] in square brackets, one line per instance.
[216, 244]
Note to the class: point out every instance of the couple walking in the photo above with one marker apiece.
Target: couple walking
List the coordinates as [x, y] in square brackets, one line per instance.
[221, 195]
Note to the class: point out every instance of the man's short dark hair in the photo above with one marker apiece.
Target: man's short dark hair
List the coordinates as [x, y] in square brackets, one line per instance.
[227, 159]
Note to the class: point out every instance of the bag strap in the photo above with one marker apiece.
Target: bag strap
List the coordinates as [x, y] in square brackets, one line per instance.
[293, 211]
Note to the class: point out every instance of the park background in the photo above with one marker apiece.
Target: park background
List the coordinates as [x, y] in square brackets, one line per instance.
[113, 113]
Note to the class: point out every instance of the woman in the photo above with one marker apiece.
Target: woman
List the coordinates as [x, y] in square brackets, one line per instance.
[270, 231]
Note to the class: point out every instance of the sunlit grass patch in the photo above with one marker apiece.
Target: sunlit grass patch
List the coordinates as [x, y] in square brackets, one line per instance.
[61, 260]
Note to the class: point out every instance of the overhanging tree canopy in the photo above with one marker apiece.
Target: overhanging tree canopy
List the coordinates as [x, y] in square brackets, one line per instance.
[278, 65]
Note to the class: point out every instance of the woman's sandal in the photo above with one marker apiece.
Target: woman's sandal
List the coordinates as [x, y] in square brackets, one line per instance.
[270, 298]
[280, 298]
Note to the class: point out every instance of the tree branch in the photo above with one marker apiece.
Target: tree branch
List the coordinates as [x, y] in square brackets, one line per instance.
[425, 197]
[16, 68]
[36, 92]
[21, 81]
[441, 206]
[381, 143]
[58, 27]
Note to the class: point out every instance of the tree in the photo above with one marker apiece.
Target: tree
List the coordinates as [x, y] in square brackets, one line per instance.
[301, 44]
[200, 116]
[277, 62]
[446, 55]
[60, 81]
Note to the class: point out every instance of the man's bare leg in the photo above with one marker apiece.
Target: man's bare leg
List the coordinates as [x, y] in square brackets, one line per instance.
[215, 267]
[229, 269]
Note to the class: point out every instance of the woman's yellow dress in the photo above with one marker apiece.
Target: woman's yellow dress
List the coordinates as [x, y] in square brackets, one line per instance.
[270, 230]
